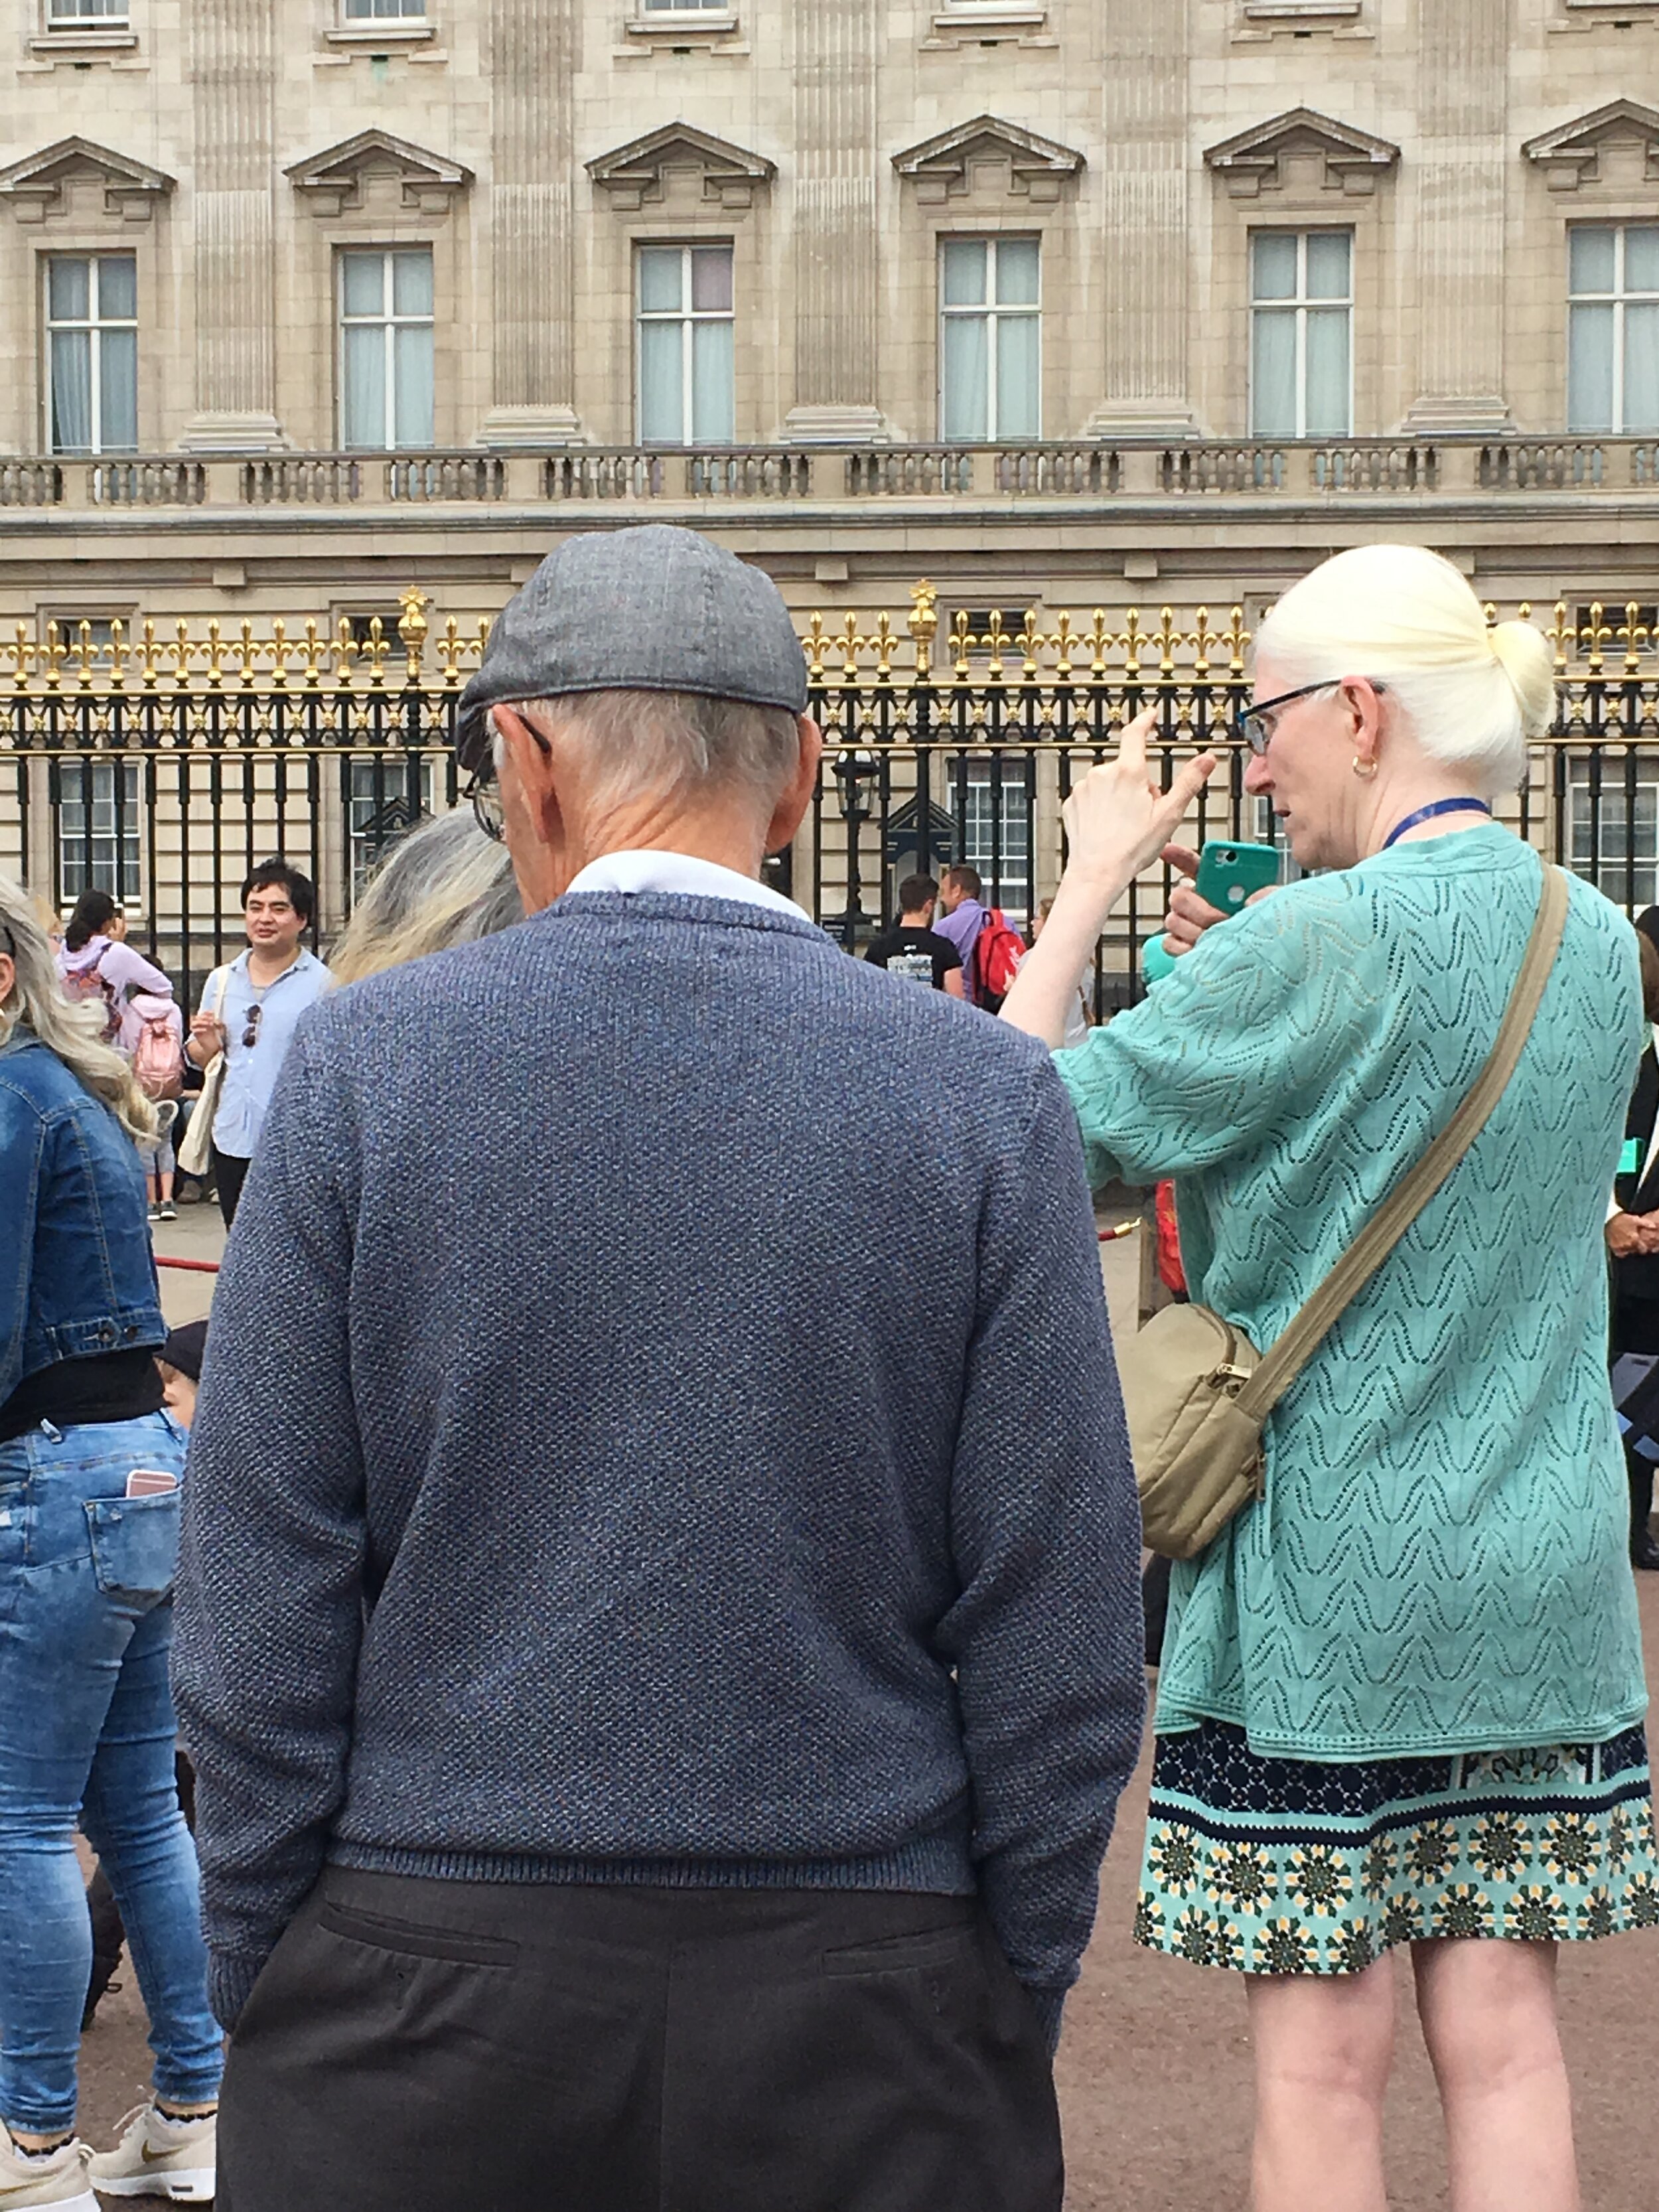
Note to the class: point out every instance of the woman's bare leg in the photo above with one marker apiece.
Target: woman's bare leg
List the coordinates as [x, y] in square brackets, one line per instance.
[1324, 2047]
[1488, 2012]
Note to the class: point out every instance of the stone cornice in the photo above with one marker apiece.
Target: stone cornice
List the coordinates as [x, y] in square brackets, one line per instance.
[332, 181]
[35, 186]
[1251, 162]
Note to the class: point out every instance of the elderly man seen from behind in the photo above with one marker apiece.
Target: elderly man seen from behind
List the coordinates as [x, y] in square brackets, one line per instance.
[659, 1624]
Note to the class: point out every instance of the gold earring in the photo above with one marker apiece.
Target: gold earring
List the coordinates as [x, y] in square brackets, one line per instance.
[1364, 769]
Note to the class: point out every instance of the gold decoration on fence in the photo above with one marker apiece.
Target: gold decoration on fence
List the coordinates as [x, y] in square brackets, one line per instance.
[1031, 651]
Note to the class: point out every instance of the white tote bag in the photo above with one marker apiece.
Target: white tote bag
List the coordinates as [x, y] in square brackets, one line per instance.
[196, 1152]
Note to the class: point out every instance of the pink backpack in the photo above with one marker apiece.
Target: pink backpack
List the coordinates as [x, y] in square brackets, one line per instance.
[83, 983]
[158, 1059]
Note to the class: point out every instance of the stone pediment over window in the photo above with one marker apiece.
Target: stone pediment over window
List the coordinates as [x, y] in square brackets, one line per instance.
[988, 155]
[1340, 158]
[42, 184]
[1571, 155]
[338, 178]
[641, 173]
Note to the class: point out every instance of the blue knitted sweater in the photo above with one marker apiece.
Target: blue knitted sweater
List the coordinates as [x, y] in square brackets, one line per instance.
[660, 1426]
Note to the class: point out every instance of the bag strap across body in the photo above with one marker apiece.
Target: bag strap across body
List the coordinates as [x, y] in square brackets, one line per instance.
[1290, 1354]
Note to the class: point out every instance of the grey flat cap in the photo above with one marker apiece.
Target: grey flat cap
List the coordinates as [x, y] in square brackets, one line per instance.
[649, 609]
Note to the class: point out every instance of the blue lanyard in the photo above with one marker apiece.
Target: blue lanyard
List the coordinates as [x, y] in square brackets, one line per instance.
[1428, 813]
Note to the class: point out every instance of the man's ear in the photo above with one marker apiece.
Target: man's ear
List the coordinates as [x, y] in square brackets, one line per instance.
[797, 794]
[532, 815]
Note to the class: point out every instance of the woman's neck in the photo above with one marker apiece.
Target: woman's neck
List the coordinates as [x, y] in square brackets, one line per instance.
[1455, 809]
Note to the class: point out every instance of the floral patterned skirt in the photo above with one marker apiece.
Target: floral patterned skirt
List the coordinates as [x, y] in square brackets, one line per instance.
[1289, 1866]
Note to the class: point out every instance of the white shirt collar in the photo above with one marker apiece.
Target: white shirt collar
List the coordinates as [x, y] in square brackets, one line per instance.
[681, 874]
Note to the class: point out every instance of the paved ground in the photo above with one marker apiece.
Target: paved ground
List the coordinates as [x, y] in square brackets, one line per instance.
[1154, 2070]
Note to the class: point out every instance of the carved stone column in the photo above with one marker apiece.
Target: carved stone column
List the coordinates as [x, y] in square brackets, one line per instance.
[1141, 196]
[231, 64]
[837, 235]
[531, 58]
[1459, 170]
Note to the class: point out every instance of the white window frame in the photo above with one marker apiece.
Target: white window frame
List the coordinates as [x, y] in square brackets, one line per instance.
[685, 315]
[1644, 821]
[73, 16]
[124, 838]
[684, 7]
[96, 323]
[981, 797]
[391, 322]
[1619, 298]
[1299, 306]
[992, 313]
[377, 15]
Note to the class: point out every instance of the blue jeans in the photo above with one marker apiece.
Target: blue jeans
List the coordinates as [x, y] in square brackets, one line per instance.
[87, 1734]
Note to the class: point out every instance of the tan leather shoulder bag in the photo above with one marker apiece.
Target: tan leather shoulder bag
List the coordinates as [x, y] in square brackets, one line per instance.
[1198, 1393]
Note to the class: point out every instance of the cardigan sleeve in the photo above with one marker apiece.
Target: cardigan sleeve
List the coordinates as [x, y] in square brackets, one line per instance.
[1265, 1007]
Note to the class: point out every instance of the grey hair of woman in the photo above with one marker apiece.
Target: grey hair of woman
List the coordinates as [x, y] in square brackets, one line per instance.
[443, 882]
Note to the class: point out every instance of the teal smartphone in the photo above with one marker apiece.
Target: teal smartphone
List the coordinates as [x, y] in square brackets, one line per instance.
[1229, 872]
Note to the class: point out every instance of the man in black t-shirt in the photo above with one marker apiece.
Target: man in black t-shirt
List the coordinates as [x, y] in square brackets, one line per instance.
[912, 948]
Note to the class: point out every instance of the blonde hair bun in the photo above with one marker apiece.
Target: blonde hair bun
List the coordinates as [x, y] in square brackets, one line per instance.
[1523, 654]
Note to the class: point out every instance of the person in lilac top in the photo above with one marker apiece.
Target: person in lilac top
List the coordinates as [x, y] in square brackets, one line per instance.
[961, 918]
[95, 957]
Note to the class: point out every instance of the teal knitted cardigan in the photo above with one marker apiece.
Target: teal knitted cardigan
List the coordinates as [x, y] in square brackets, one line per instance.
[1439, 1562]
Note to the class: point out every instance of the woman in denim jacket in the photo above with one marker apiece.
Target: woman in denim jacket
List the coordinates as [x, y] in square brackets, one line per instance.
[87, 1549]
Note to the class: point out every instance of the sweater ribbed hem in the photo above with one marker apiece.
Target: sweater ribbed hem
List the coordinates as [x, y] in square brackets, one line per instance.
[1048, 2005]
[929, 1865]
[231, 1977]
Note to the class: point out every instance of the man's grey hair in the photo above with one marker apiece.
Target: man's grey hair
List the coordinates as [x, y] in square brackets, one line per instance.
[669, 744]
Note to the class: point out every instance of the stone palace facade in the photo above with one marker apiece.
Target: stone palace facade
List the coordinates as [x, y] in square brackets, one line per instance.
[1057, 303]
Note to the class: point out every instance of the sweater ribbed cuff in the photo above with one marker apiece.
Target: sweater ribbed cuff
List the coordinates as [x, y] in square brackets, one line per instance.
[231, 1977]
[1048, 2005]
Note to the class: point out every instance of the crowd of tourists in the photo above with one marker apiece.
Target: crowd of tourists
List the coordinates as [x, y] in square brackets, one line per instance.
[651, 1605]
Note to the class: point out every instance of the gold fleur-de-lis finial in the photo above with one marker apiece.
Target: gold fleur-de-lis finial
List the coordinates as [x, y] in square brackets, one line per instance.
[813, 645]
[998, 640]
[1167, 639]
[884, 639]
[1560, 633]
[1595, 634]
[1063, 637]
[1203, 642]
[1134, 641]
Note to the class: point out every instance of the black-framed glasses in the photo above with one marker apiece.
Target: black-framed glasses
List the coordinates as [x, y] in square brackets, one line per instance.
[1253, 724]
[485, 794]
[486, 797]
[251, 1034]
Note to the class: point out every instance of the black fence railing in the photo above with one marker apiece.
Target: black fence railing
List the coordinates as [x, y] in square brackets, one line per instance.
[163, 770]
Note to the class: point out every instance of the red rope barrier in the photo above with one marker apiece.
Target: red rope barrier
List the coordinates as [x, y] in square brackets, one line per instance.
[195, 1266]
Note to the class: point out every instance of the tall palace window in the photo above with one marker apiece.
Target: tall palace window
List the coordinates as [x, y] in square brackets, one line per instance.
[1612, 328]
[990, 339]
[385, 349]
[92, 353]
[1301, 333]
[685, 345]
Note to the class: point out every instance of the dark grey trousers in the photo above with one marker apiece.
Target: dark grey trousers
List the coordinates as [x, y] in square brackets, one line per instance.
[437, 2046]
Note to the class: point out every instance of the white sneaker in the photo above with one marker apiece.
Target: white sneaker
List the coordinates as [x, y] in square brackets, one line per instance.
[155, 2158]
[59, 2180]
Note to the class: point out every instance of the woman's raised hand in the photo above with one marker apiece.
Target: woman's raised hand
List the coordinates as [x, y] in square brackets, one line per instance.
[1118, 819]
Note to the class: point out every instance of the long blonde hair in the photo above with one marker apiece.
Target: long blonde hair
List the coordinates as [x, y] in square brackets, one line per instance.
[443, 882]
[73, 1031]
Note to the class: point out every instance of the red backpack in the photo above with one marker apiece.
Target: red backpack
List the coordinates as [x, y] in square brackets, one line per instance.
[158, 1058]
[998, 950]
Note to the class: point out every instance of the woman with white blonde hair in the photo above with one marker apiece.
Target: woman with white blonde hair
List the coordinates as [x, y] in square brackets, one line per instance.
[91, 1466]
[1401, 1695]
[442, 883]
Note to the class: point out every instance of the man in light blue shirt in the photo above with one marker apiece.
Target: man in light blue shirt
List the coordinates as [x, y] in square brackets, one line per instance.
[248, 1013]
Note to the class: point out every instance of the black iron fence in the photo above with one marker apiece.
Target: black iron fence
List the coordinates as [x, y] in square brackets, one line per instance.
[161, 768]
